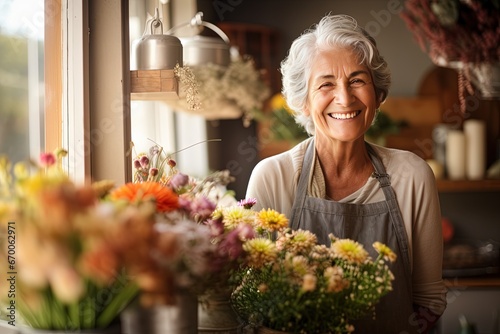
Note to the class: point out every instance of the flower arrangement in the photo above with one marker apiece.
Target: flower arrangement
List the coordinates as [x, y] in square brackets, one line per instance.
[224, 92]
[187, 247]
[83, 253]
[459, 34]
[50, 231]
[456, 30]
[295, 285]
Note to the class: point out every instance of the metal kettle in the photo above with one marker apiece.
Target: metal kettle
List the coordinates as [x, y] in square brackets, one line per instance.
[200, 50]
[156, 51]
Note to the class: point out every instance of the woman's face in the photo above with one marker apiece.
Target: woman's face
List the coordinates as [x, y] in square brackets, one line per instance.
[341, 98]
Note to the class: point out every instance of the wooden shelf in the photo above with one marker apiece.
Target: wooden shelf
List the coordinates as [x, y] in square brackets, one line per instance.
[153, 85]
[468, 185]
[477, 282]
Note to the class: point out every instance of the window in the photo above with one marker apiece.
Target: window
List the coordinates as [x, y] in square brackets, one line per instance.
[155, 121]
[22, 84]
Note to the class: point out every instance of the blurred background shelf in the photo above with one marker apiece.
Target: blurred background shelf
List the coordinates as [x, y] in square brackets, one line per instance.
[468, 185]
[478, 282]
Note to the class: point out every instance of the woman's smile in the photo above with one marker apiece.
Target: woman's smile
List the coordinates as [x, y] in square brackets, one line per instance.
[344, 115]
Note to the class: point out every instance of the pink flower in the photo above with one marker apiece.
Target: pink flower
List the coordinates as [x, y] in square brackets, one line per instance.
[202, 208]
[232, 245]
[178, 180]
[247, 203]
[47, 159]
[216, 227]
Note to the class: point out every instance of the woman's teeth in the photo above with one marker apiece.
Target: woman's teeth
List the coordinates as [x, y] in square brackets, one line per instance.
[345, 115]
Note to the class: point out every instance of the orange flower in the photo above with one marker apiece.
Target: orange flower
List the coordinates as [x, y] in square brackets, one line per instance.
[166, 199]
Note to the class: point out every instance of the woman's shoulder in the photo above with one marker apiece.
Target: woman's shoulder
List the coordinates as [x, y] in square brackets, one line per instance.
[404, 163]
[394, 155]
[273, 179]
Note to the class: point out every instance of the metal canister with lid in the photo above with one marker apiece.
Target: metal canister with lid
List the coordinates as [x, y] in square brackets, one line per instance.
[156, 51]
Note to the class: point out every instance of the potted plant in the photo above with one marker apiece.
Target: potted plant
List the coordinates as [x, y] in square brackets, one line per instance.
[289, 283]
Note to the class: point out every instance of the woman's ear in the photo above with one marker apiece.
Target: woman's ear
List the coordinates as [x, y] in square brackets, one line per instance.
[306, 110]
[380, 99]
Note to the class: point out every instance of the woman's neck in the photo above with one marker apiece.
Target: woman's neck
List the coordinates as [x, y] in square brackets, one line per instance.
[346, 166]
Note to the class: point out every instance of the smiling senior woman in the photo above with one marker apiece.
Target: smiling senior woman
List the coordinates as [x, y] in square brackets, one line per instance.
[334, 182]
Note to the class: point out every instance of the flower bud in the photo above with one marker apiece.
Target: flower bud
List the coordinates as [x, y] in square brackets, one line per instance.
[172, 163]
[153, 171]
[144, 161]
[47, 159]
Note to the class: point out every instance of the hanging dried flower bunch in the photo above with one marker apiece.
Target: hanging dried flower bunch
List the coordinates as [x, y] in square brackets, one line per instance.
[461, 34]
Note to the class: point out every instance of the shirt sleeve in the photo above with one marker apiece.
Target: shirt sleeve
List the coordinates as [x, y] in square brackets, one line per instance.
[427, 240]
[273, 183]
[416, 191]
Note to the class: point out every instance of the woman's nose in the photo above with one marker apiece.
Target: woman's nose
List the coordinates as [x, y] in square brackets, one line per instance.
[343, 95]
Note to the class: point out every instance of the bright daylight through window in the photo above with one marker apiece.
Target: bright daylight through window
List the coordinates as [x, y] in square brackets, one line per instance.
[21, 70]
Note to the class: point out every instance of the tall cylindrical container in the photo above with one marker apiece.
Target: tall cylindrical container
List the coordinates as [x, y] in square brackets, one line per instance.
[439, 135]
[455, 154]
[475, 149]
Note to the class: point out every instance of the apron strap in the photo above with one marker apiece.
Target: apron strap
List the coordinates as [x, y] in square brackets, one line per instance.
[392, 204]
[301, 192]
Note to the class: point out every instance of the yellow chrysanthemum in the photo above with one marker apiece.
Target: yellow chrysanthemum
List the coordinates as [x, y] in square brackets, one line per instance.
[218, 213]
[297, 241]
[349, 250]
[261, 251]
[385, 251]
[235, 215]
[271, 220]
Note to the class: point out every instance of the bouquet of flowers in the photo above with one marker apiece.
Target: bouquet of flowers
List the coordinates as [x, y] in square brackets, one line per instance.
[295, 285]
[51, 229]
[187, 247]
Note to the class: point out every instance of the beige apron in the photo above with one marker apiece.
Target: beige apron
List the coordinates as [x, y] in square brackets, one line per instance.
[365, 223]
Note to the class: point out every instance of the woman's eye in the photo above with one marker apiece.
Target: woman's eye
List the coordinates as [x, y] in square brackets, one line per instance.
[326, 84]
[357, 83]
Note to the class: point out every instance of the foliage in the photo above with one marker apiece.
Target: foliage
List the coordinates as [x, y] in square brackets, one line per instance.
[281, 121]
[383, 125]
